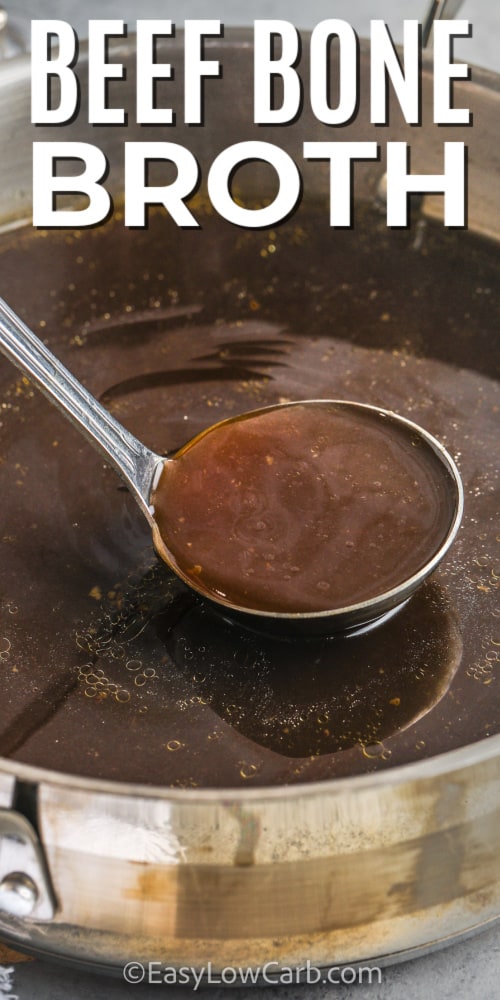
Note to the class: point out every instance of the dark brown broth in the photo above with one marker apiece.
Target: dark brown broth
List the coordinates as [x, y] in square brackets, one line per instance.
[111, 668]
[303, 508]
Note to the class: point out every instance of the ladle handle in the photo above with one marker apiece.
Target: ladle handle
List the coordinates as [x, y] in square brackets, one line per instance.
[131, 459]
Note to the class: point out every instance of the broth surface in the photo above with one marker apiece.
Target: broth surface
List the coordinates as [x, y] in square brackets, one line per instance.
[110, 666]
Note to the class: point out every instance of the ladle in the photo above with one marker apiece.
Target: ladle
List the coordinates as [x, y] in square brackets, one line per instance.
[215, 488]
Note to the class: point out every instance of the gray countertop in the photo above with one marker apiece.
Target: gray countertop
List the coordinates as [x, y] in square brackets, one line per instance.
[469, 969]
[481, 49]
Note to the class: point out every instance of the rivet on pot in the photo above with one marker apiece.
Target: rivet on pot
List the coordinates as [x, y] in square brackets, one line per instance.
[18, 894]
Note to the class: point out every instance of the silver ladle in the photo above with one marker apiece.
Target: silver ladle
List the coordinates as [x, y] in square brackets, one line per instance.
[142, 469]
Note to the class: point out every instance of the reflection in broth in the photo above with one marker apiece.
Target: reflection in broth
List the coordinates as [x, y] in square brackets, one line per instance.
[310, 697]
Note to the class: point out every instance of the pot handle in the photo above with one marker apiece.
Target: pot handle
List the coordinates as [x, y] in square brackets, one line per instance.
[437, 11]
[25, 888]
[14, 36]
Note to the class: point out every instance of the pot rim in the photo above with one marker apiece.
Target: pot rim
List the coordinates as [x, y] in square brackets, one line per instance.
[469, 756]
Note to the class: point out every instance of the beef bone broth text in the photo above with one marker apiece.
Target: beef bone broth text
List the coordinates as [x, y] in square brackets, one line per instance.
[302, 508]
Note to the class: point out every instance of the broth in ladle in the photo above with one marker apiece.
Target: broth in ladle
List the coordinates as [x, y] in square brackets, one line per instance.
[315, 506]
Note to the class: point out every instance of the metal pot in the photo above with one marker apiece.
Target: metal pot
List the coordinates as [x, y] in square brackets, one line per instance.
[365, 843]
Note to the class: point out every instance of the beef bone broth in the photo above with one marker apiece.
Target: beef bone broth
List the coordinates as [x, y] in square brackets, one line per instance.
[303, 508]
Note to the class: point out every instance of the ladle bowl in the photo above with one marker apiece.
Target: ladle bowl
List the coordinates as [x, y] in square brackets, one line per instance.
[144, 471]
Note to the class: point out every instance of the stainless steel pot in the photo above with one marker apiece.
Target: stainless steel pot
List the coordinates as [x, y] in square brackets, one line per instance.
[340, 867]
